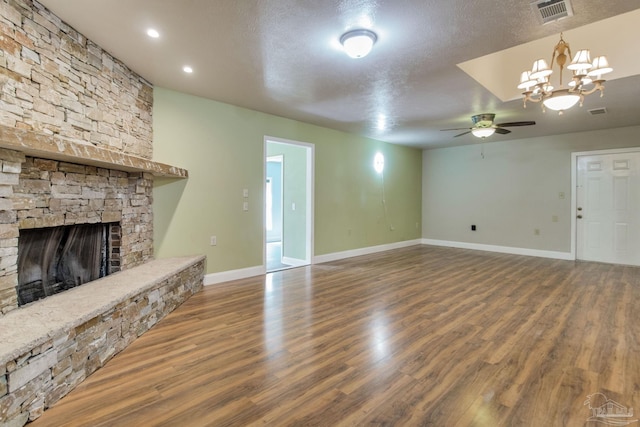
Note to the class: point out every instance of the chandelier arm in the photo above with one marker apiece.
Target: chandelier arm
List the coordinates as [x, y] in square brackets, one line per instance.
[527, 97]
[598, 86]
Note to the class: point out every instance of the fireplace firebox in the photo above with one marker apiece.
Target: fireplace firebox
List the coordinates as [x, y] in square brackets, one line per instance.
[55, 259]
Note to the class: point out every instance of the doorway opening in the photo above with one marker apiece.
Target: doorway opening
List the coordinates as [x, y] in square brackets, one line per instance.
[288, 218]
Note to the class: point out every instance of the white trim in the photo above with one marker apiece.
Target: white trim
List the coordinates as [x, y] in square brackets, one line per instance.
[364, 251]
[294, 262]
[226, 276]
[501, 249]
[574, 186]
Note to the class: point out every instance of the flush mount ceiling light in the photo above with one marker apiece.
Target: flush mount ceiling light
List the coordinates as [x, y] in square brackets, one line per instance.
[358, 43]
[537, 86]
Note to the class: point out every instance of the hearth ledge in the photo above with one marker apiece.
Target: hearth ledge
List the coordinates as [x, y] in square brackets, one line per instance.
[30, 326]
[56, 148]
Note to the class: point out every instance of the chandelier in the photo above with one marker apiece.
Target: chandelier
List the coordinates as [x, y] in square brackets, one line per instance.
[585, 80]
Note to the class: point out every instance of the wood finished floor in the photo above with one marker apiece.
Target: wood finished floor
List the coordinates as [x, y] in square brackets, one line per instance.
[420, 336]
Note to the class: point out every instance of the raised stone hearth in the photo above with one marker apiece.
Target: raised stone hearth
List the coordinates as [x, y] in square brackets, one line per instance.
[76, 147]
[49, 347]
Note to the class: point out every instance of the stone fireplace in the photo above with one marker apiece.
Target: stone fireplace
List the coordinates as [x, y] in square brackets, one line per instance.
[52, 196]
[76, 175]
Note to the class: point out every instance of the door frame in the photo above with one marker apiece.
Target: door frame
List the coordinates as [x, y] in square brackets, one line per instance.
[574, 188]
[310, 202]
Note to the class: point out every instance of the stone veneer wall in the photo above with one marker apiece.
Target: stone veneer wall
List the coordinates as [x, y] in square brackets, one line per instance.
[62, 357]
[36, 193]
[53, 80]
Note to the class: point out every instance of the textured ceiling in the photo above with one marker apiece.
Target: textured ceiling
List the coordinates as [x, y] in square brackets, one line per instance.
[283, 57]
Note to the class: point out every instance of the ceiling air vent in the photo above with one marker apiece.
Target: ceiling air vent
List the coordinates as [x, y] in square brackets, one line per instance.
[597, 111]
[551, 10]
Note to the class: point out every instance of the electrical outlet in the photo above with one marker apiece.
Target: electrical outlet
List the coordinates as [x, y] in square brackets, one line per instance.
[245, 193]
[214, 241]
[245, 206]
[536, 231]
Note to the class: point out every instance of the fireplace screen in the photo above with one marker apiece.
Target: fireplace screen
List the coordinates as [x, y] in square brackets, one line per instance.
[52, 260]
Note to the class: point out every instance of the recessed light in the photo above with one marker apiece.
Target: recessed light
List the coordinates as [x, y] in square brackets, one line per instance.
[187, 69]
[153, 33]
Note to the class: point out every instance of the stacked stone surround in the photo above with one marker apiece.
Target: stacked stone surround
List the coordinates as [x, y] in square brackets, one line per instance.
[37, 193]
[88, 327]
[57, 86]
[55, 81]
[75, 147]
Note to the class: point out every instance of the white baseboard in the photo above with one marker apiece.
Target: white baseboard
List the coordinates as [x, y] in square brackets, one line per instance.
[294, 261]
[364, 251]
[243, 273]
[226, 276]
[501, 249]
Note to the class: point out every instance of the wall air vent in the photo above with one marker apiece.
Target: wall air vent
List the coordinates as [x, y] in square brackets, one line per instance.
[551, 10]
[598, 111]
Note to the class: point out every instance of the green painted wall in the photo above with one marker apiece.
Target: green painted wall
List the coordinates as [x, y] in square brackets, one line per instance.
[294, 191]
[222, 146]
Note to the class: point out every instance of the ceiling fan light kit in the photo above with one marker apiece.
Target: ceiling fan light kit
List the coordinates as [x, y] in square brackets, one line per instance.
[537, 86]
[482, 132]
[483, 126]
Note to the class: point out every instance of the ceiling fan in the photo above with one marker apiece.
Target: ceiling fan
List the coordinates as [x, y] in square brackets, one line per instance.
[483, 126]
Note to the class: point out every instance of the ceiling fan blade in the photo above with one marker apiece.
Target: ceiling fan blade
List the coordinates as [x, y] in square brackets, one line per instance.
[463, 133]
[502, 131]
[467, 128]
[511, 124]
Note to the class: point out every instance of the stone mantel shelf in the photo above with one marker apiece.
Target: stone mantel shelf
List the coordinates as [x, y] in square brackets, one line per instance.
[55, 148]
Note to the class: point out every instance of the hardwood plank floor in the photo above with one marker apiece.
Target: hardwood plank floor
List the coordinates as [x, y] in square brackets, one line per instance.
[420, 336]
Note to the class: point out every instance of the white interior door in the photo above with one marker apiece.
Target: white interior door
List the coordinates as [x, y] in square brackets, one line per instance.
[608, 208]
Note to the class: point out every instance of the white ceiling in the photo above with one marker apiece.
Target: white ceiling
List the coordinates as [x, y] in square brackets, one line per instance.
[283, 57]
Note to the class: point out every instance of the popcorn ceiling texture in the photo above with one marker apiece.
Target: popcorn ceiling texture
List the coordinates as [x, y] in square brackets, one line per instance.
[55, 81]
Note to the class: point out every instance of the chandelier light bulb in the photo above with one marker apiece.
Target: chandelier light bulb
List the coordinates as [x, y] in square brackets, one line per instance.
[600, 66]
[540, 69]
[582, 61]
